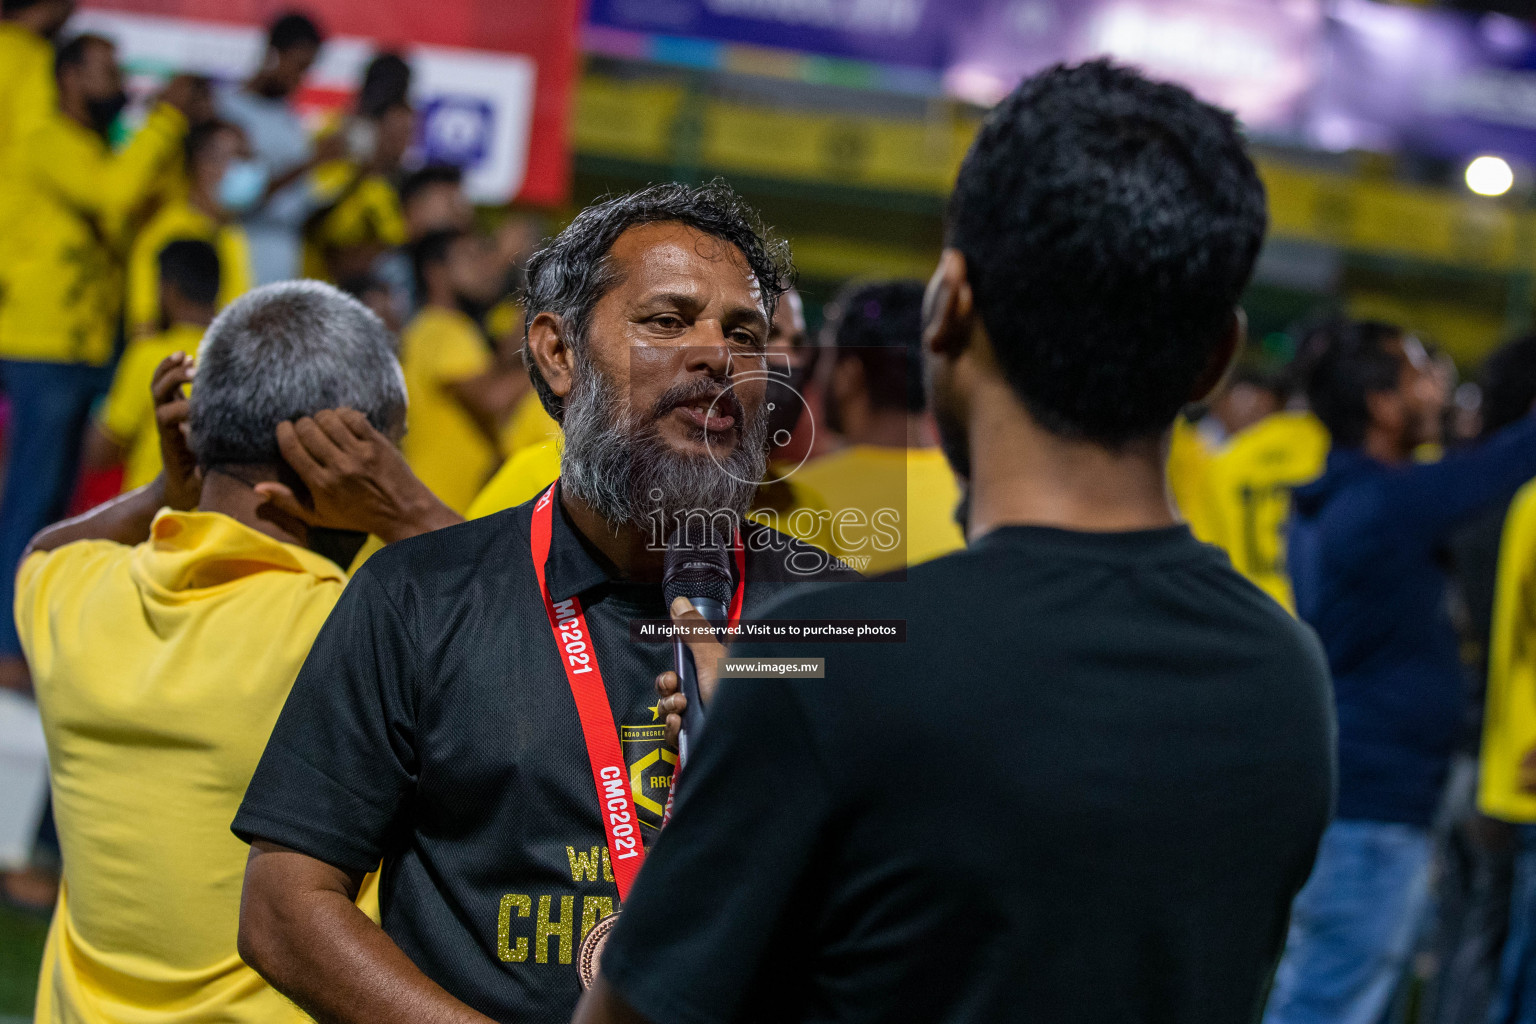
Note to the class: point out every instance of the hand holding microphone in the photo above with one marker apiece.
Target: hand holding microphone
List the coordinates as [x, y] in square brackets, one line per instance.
[706, 654]
[697, 585]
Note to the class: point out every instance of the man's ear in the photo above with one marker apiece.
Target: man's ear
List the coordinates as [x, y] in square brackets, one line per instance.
[550, 353]
[1223, 357]
[949, 309]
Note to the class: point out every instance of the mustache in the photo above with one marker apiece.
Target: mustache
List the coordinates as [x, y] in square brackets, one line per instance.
[716, 389]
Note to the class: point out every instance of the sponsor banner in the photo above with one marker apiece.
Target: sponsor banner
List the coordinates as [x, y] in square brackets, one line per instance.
[1441, 82]
[888, 31]
[492, 78]
[1257, 58]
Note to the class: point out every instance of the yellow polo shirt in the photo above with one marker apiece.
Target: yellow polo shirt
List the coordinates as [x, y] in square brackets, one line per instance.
[888, 507]
[443, 444]
[76, 201]
[160, 670]
[528, 426]
[128, 414]
[176, 221]
[1251, 480]
[1509, 721]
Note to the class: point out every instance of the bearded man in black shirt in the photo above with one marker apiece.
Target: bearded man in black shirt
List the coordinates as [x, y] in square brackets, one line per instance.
[473, 714]
[1089, 784]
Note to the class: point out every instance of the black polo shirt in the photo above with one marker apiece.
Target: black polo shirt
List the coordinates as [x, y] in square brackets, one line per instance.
[432, 727]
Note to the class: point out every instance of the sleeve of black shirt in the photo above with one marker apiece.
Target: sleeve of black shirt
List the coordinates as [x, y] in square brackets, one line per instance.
[719, 881]
[340, 763]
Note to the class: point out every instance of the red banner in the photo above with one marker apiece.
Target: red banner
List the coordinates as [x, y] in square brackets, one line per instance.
[509, 63]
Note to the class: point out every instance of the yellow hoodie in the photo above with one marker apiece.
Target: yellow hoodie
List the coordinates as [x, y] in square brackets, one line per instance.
[75, 202]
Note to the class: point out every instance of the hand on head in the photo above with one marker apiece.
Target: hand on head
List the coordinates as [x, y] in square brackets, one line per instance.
[183, 480]
[356, 477]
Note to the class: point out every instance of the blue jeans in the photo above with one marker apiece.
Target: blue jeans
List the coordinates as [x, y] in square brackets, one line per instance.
[50, 403]
[1515, 996]
[1353, 925]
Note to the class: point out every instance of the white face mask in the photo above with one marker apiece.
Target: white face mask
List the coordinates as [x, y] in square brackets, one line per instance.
[243, 184]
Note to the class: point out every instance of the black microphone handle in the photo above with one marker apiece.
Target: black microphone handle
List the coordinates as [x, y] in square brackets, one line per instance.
[682, 663]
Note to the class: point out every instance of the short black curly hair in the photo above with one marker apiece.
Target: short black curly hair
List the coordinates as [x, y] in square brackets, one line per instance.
[569, 275]
[1109, 224]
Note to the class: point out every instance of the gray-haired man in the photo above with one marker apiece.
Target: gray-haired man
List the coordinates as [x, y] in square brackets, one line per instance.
[165, 629]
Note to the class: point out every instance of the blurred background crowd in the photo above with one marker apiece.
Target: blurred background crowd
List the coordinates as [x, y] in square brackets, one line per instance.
[160, 158]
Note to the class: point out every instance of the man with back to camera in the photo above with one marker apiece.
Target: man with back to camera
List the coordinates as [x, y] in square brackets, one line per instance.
[1366, 554]
[434, 725]
[890, 494]
[165, 628]
[1102, 760]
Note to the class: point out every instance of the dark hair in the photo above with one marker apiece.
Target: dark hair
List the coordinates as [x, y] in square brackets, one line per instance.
[1346, 362]
[426, 177]
[386, 84]
[71, 53]
[1109, 224]
[10, 7]
[193, 267]
[293, 29]
[569, 275]
[432, 248]
[881, 325]
[1508, 381]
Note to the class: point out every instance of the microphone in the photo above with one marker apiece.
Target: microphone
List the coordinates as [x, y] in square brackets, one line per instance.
[700, 570]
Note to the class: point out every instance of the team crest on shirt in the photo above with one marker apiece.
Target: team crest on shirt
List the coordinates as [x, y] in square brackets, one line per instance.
[651, 767]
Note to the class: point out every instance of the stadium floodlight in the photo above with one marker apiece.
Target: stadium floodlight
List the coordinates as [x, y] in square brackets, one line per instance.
[1490, 176]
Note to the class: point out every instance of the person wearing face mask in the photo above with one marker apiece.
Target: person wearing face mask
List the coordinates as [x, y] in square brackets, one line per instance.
[218, 178]
[274, 216]
[76, 200]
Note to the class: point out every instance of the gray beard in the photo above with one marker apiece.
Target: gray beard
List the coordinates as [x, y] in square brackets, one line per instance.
[630, 476]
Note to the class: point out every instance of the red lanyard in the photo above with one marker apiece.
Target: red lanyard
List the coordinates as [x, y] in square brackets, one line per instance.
[568, 622]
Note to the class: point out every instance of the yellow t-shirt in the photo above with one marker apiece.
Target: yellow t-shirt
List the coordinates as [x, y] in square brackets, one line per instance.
[443, 444]
[366, 214]
[179, 220]
[521, 478]
[27, 98]
[128, 414]
[1189, 472]
[1251, 483]
[1509, 721]
[888, 507]
[160, 670]
[528, 426]
[75, 205]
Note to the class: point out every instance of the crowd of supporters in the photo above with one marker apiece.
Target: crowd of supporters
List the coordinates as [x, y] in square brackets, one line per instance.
[1349, 487]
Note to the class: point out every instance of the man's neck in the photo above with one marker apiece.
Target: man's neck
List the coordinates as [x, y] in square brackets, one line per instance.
[1023, 475]
[1385, 447]
[627, 548]
[234, 497]
[74, 108]
[890, 428]
[201, 201]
